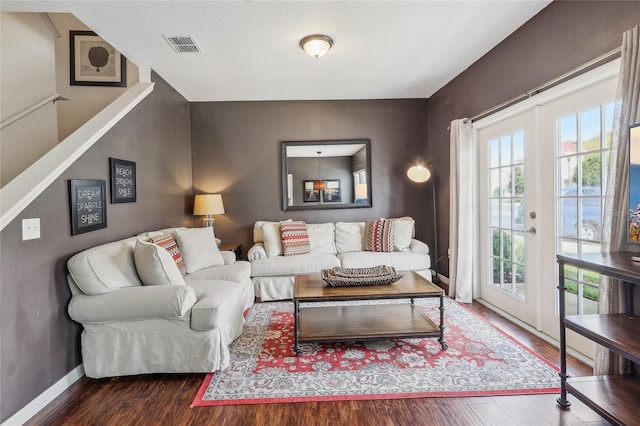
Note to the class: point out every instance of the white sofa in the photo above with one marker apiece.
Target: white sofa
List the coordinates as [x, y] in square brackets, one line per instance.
[331, 244]
[132, 327]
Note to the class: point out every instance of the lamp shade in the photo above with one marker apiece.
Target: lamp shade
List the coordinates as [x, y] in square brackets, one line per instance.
[319, 185]
[316, 45]
[208, 204]
[419, 173]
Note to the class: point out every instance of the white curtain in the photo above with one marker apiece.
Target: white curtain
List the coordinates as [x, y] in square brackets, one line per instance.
[463, 233]
[616, 201]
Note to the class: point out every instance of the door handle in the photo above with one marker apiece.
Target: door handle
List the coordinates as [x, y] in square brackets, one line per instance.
[531, 231]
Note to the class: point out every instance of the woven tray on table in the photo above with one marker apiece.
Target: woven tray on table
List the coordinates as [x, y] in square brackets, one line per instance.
[377, 275]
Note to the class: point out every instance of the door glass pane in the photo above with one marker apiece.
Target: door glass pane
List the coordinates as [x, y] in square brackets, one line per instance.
[590, 129]
[506, 201]
[568, 134]
[494, 153]
[505, 150]
[518, 147]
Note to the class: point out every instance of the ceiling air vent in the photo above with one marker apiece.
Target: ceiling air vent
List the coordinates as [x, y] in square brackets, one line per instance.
[183, 44]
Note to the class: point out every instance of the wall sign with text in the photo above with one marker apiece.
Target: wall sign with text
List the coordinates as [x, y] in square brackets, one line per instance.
[123, 181]
[88, 205]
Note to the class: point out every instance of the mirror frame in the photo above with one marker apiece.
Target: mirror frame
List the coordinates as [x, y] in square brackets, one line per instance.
[327, 206]
[634, 188]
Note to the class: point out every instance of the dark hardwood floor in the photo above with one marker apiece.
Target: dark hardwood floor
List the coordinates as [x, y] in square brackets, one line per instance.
[166, 400]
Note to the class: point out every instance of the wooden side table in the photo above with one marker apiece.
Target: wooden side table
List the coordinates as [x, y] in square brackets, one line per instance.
[234, 247]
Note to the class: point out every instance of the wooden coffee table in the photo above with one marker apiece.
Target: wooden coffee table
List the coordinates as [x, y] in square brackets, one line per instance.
[366, 321]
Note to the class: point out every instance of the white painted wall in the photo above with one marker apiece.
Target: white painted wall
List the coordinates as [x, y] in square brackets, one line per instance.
[84, 101]
[27, 76]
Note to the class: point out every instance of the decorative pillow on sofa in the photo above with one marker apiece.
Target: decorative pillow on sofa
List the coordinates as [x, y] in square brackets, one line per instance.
[271, 238]
[167, 242]
[349, 237]
[403, 233]
[294, 237]
[199, 248]
[155, 265]
[378, 235]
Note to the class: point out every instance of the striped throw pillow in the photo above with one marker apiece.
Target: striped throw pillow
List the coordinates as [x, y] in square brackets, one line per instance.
[378, 235]
[295, 239]
[167, 242]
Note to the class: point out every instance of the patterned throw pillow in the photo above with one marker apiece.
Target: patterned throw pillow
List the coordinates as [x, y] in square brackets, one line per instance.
[378, 235]
[167, 242]
[295, 239]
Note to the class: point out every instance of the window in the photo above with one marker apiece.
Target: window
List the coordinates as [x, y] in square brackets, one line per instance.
[583, 145]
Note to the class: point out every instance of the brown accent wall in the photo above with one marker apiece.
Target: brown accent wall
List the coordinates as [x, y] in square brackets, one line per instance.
[563, 36]
[236, 152]
[39, 342]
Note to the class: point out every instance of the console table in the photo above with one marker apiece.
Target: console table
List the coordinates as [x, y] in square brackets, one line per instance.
[613, 397]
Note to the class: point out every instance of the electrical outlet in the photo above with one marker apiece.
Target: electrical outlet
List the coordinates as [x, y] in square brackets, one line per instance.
[30, 229]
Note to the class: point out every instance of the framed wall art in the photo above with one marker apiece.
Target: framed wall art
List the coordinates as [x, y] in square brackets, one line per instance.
[310, 195]
[123, 181]
[332, 194]
[88, 205]
[94, 62]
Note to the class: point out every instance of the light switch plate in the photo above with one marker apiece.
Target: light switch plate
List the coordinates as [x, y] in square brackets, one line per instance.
[30, 229]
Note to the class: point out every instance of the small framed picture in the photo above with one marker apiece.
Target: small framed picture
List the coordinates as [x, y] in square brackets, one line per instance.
[94, 62]
[310, 195]
[88, 205]
[332, 194]
[123, 181]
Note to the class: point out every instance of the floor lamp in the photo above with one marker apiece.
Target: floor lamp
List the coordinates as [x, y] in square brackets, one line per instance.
[420, 173]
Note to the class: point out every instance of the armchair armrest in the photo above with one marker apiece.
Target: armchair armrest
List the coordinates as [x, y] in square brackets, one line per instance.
[229, 257]
[418, 246]
[133, 303]
[257, 252]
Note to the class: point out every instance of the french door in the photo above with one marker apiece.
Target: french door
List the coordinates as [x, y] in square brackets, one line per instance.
[508, 239]
[542, 167]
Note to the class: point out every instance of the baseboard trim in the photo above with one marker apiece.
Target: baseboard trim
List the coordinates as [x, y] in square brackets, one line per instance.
[577, 355]
[42, 400]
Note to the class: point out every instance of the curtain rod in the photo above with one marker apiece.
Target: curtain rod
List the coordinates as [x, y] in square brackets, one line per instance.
[607, 57]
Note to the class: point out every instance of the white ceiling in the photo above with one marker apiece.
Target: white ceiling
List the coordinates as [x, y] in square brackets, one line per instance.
[250, 51]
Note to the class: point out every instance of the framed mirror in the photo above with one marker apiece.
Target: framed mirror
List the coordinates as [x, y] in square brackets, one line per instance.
[330, 174]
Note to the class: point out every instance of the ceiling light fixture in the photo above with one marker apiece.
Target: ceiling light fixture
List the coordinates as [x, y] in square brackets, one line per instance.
[316, 45]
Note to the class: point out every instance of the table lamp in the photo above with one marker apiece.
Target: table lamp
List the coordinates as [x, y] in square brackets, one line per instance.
[208, 205]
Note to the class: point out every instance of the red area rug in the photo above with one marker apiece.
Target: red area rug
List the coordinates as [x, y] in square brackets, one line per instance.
[481, 361]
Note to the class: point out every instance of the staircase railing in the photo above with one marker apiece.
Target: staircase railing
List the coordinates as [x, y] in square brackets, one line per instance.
[17, 194]
[32, 108]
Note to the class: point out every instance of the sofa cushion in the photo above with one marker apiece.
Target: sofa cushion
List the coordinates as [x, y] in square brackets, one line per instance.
[400, 260]
[378, 235]
[104, 268]
[167, 242]
[403, 233]
[199, 248]
[272, 239]
[322, 237]
[238, 272]
[294, 238]
[219, 303]
[303, 264]
[155, 265]
[349, 236]
[258, 236]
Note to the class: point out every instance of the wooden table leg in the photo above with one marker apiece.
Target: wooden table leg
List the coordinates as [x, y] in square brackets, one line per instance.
[296, 314]
[441, 339]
